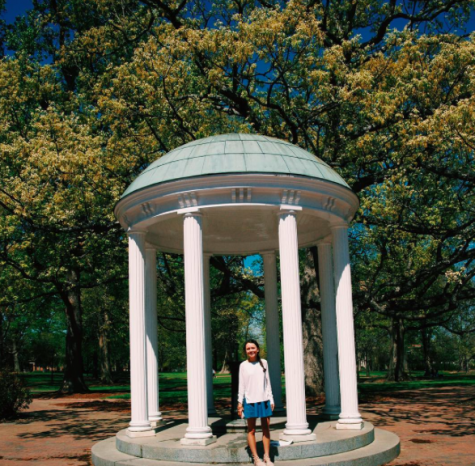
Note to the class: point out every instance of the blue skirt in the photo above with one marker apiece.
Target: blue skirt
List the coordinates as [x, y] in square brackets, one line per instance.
[259, 409]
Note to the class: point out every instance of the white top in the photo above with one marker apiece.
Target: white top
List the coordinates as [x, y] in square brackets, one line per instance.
[254, 383]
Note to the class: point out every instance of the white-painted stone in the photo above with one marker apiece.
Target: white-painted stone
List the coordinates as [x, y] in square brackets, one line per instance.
[198, 442]
[349, 416]
[195, 328]
[208, 336]
[141, 433]
[292, 325]
[298, 438]
[272, 327]
[138, 356]
[329, 332]
[353, 426]
[154, 414]
[247, 227]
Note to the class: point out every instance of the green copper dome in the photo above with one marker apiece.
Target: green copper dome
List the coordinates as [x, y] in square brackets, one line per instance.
[234, 154]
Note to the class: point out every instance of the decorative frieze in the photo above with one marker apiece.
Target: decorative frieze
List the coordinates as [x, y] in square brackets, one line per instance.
[241, 195]
[329, 204]
[147, 209]
[290, 197]
[189, 199]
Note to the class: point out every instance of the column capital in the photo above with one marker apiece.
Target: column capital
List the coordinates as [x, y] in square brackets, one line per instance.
[136, 232]
[327, 241]
[190, 212]
[149, 247]
[339, 225]
[267, 253]
[289, 209]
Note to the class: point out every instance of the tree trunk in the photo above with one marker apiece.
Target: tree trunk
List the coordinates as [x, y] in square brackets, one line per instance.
[396, 370]
[224, 367]
[16, 360]
[73, 379]
[312, 325]
[2, 341]
[104, 356]
[215, 357]
[425, 337]
[95, 364]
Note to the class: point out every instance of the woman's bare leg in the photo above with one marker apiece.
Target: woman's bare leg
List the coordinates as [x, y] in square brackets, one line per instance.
[265, 424]
[251, 436]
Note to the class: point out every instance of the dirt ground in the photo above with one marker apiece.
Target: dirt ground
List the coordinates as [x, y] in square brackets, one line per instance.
[436, 427]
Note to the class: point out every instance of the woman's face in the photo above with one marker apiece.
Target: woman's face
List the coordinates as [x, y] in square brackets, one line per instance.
[251, 351]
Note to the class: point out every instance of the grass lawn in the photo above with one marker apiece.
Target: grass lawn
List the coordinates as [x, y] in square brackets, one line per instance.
[377, 383]
[173, 385]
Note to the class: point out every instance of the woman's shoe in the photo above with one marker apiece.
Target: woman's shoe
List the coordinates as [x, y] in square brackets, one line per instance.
[267, 461]
[258, 461]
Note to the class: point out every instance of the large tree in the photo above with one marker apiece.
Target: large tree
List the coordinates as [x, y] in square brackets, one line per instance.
[380, 90]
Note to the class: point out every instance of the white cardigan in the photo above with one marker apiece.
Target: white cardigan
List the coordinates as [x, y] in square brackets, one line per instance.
[254, 383]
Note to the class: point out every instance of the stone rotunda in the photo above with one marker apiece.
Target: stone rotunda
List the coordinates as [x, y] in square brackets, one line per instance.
[242, 194]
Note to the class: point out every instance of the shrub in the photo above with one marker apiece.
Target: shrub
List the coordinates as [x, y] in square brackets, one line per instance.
[13, 395]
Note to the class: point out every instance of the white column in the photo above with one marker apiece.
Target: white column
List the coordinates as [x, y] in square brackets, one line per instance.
[139, 424]
[272, 327]
[208, 336]
[197, 432]
[297, 425]
[154, 415]
[329, 332]
[350, 418]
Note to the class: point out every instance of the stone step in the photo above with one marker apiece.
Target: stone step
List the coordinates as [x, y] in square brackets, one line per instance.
[382, 450]
[232, 447]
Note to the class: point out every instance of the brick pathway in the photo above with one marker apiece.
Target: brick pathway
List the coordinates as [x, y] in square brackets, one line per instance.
[435, 425]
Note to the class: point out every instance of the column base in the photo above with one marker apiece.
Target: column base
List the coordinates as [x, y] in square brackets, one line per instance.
[297, 438]
[140, 433]
[198, 442]
[155, 419]
[157, 423]
[332, 413]
[345, 426]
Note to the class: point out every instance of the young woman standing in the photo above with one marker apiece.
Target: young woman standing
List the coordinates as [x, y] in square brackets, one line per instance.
[255, 399]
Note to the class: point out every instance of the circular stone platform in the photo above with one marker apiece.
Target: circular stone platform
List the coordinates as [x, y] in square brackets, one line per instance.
[368, 447]
[232, 447]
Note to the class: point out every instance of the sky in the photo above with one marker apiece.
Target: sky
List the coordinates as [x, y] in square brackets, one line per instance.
[16, 8]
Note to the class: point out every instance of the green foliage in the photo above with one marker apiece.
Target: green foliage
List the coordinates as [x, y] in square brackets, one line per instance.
[13, 395]
[97, 90]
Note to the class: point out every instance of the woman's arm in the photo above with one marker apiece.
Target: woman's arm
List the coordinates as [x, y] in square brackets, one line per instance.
[241, 389]
[268, 386]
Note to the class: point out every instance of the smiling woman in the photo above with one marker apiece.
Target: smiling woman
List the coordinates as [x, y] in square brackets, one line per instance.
[255, 399]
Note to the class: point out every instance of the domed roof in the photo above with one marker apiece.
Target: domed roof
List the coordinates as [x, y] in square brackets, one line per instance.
[234, 154]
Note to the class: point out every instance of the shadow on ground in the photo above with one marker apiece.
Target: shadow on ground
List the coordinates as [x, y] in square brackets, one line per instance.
[451, 408]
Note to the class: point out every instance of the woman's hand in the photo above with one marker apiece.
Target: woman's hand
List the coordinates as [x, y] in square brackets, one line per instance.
[239, 409]
[272, 407]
